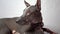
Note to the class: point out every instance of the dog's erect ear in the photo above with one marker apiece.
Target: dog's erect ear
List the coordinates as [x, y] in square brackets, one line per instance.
[27, 4]
[38, 4]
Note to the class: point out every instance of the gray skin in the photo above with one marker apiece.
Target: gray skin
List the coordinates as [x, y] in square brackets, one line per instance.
[26, 17]
[33, 15]
[9, 24]
[3, 27]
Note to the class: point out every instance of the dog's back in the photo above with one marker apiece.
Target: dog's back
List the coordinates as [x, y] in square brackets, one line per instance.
[3, 27]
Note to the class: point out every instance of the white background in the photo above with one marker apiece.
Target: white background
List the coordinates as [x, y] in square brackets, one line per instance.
[50, 11]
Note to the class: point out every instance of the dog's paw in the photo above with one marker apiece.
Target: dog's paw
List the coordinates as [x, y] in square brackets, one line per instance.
[14, 32]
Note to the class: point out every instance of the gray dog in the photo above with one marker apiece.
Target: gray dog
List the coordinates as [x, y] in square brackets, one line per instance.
[29, 23]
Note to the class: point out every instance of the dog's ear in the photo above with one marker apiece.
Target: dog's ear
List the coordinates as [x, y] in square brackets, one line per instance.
[38, 4]
[27, 4]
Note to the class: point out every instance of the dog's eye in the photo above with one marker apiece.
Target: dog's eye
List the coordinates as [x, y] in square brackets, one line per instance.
[27, 14]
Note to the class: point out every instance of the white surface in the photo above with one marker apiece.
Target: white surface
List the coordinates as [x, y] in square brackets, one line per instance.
[51, 14]
[50, 11]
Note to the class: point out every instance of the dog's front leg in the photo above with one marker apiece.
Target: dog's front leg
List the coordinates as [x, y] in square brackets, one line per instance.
[48, 30]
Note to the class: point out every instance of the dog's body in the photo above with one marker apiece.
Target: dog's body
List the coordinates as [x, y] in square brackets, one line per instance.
[29, 23]
[6, 29]
[3, 27]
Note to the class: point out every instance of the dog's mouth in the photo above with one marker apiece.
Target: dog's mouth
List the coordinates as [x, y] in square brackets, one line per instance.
[33, 27]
